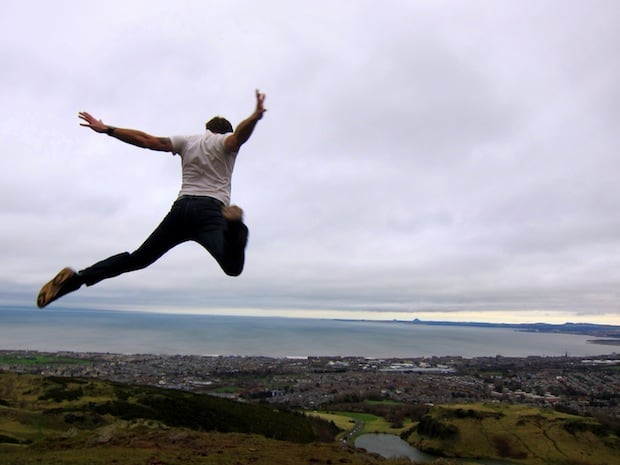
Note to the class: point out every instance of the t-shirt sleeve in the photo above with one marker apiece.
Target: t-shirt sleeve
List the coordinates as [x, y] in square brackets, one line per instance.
[219, 142]
[178, 144]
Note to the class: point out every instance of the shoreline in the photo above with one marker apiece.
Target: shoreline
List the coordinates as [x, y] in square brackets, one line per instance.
[398, 360]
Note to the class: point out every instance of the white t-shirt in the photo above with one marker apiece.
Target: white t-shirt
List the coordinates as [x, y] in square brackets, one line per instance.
[207, 166]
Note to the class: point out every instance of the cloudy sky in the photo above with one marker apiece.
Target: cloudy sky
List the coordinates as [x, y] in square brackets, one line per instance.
[436, 159]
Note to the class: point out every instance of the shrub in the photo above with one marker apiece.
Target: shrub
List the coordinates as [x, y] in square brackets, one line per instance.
[60, 393]
[505, 448]
[428, 426]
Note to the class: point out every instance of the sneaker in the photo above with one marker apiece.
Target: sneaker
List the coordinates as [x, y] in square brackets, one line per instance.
[64, 282]
[232, 213]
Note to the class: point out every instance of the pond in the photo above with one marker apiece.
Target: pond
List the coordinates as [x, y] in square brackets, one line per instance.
[391, 446]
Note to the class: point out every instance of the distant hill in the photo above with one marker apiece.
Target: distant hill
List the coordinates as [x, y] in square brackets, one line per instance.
[589, 329]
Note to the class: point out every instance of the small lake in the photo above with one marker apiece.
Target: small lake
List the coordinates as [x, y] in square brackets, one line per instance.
[391, 446]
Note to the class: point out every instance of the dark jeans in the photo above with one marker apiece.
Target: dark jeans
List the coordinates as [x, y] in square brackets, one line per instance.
[191, 218]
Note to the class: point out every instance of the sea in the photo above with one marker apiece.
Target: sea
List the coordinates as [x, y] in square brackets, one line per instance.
[133, 332]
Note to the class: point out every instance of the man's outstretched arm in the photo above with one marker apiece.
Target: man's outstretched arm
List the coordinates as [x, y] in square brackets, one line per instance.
[244, 129]
[130, 136]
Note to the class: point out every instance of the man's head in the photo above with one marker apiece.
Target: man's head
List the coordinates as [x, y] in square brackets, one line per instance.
[219, 125]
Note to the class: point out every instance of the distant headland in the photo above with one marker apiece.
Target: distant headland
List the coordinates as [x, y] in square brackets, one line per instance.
[606, 334]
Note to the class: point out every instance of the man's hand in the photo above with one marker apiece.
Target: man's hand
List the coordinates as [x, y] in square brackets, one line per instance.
[91, 122]
[260, 108]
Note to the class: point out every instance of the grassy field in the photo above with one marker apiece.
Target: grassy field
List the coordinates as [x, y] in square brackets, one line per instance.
[342, 421]
[40, 359]
[520, 434]
[347, 421]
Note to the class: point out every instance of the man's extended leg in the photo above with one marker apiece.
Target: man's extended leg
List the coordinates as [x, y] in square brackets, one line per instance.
[166, 235]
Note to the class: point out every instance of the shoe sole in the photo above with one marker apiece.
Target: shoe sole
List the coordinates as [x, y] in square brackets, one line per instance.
[49, 291]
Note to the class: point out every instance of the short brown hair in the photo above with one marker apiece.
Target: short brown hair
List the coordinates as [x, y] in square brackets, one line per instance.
[219, 125]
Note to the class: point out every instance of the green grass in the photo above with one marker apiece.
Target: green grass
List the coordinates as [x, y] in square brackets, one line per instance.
[521, 434]
[383, 402]
[225, 390]
[40, 359]
[346, 421]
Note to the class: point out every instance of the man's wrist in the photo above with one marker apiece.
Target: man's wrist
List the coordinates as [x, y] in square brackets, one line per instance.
[110, 130]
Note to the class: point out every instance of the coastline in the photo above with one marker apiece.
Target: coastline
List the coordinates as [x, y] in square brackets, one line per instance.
[605, 342]
[586, 329]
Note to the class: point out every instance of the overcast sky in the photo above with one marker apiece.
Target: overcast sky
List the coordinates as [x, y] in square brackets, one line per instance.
[435, 159]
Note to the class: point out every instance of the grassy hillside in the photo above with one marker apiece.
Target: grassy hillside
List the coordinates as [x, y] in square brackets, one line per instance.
[516, 433]
[138, 444]
[87, 403]
[63, 421]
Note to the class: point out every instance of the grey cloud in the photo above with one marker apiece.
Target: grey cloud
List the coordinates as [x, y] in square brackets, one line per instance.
[415, 157]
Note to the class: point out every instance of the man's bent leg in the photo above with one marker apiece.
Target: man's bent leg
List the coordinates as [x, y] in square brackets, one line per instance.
[226, 246]
[235, 241]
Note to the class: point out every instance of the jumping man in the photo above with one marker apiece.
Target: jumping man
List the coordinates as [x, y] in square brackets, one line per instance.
[201, 213]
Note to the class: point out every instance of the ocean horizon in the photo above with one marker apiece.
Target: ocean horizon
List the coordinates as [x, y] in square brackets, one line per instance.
[133, 332]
